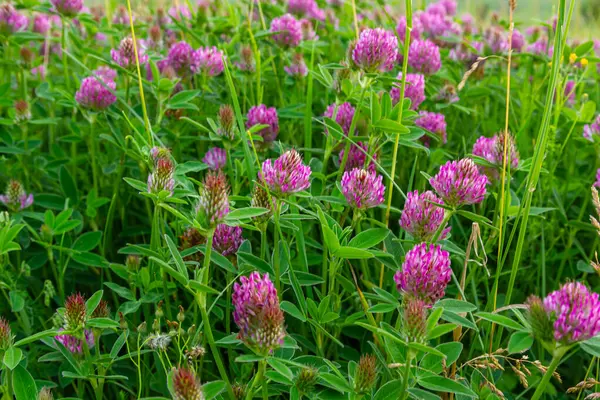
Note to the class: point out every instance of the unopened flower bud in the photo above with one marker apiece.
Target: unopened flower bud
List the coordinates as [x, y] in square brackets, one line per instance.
[366, 373]
[415, 319]
[186, 385]
[75, 315]
[6, 337]
[45, 394]
[142, 328]
[306, 380]
[132, 262]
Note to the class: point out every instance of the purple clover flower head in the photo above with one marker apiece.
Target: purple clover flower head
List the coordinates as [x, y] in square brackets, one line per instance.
[227, 239]
[11, 21]
[425, 273]
[434, 123]
[41, 24]
[186, 386]
[421, 216]
[414, 90]
[492, 150]
[257, 313]
[540, 47]
[518, 41]
[297, 68]
[435, 23]
[106, 73]
[569, 94]
[288, 31]
[286, 175]
[466, 54]
[68, 8]
[308, 30]
[597, 183]
[376, 50]
[161, 178]
[15, 197]
[306, 8]
[125, 54]
[96, 94]
[574, 312]
[215, 158]
[460, 183]
[343, 115]
[213, 203]
[363, 189]
[263, 115]
[210, 61]
[121, 17]
[424, 57]
[357, 157]
[450, 6]
[416, 32]
[496, 39]
[180, 13]
[74, 344]
[468, 24]
[39, 72]
[183, 59]
[592, 129]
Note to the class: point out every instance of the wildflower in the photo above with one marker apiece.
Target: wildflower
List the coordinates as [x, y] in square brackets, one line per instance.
[210, 61]
[375, 51]
[288, 31]
[15, 197]
[424, 57]
[492, 150]
[180, 13]
[263, 115]
[158, 341]
[39, 72]
[41, 24]
[96, 94]
[68, 8]
[518, 41]
[415, 319]
[260, 198]
[460, 183]
[75, 315]
[414, 90]
[306, 380]
[584, 62]
[11, 21]
[306, 8]
[541, 47]
[247, 63]
[344, 113]
[448, 94]
[592, 129]
[434, 123]
[415, 33]
[102, 310]
[184, 59]
[213, 203]
[106, 73]
[421, 216]
[161, 179]
[496, 40]
[75, 344]
[121, 17]
[362, 189]
[366, 373]
[239, 391]
[6, 337]
[572, 311]
[22, 111]
[227, 239]
[357, 157]
[466, 54]
[597, 183]
[157, 153]
[125, 54]
[308, 31]
[541, 324]
[186, 385]
[569, 93]
[226, 119]
[286, 175]
[257, 313]
[215, 158]
[425, 273]
[297, 68]
[437, 25]
[45, 394]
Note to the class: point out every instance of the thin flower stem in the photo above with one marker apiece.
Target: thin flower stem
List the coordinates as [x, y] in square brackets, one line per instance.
[276, 258]
[352, 128]
[404, 390]
[541, 387]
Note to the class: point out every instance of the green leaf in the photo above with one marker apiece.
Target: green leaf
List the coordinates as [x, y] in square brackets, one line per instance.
[23, 384]
[92, 302]
[213, 389]
[291, 309]
[389, 125]
[68, 185]
[17, 301]
[420, 394]
[171, 271]
[440, 330]
[476, 218]
[90, 259]
[501, 320]
[459, 320]
[102, 323]
[383, 308]
[88, 241]
[12, 357]
[255, 262]
[202, 288]
[520, 342]
[456, 306]
[441, 384]
[425, 349]
[138, 185]
[245, 213]
[391, 390]
[177, 257]
[352, 253]
[37, 336]
[369, 238]
[120, 290]
[249, 358]
[335, 382]
[281, 368]
[119, 343]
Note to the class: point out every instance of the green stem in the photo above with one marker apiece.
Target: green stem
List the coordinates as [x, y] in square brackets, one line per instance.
[92, 147]
[63, 45]
[541, 387]
[440, 229]
[406, 375]
[206, 262]
[257, 378]
[276, 258]
[352, 128]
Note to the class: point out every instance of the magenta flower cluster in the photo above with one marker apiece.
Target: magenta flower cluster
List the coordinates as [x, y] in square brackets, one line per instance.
[257, 313]
[287, 174]
[41, 24]
[11, 21]
[125, 54]
[183, 58]
[15, 197]
[297, 68]
[460, 183]
[96, 94]
[210, 61]
[288, 31]
[357, 157]
[416, 32]
[227, 239]
[69, 8]
[263, 115]
[424, 57]
[376, 50]
[363, 189]
[434, 123]
[74, 344]
[215, 158]
[414, 90]
[425, 273]
[344, 113]
[421, 216]
[492, 150]
[162, 178]
[306, 8]
[592, 129]
[575, 313]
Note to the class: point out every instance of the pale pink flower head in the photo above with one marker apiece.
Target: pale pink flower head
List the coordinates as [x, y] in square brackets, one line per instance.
[357, 157]
[288, 31]
[421, 216]
[306, 8]
[286, 175]
[210, 61]
[376, 50]
[416, 32]
[41, 24]
[592, 130]
[460, 183]
[213, 201]
[425, 273]
[69, 8]
[179, 13]
[96, 94]
[15, 197]
[162, 178]
[106, 73]
[257, 313]
[215, 158]
[492, 150]
[363, 189]
[414, 90]
[297, 67]
[11, 21]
